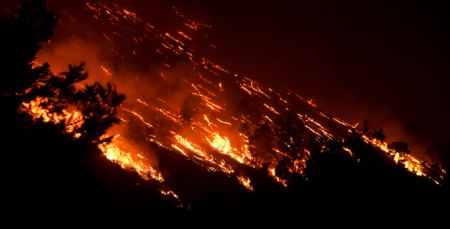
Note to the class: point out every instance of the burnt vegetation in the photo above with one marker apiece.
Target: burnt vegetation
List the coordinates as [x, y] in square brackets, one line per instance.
[46, 166]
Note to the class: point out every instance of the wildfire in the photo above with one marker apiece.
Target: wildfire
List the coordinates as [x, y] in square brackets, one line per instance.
[39, 110]
[106, 71]
[271, 109]
[349, 151]
[222, 144]
[408, 161]
[120, 152]
[137, 115]
[311, 103]
[117, 151]
[199, 154]
[251, 87]
[245, 181]
[171, 194]
[215, 129]
[272, 173]
[298, 166]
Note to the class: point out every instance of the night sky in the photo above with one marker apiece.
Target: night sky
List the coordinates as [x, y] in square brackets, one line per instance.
[383, 61]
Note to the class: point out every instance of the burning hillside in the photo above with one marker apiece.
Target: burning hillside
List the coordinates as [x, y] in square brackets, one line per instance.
[225, 123]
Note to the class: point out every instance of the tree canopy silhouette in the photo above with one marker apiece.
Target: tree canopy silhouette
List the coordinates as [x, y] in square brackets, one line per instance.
[26, 29]
[45, 156]
[99, 108]
[46, 165]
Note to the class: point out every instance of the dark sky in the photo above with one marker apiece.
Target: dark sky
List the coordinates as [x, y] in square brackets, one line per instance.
[386, 61]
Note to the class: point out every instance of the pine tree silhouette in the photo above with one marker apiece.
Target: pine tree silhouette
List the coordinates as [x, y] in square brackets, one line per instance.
[24, 30]
[99, 108]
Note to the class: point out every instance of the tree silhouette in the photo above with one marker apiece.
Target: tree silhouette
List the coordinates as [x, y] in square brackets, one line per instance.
[365, 126]
[290, 134]
[99, 108]
[290, 137]
[379, 134]
[399, 146]
[24, 30]
[372, 132]
[97, 104]
[56, 170]
[54, 161]
[261, 143]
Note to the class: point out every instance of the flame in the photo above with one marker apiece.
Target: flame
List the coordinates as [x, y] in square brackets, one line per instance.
[106, 71]
[311, 103]
[408, 161]
[298, 166]
[37, 108]
[222, 144]
[134, 113]
[251, 87]
[245, 181]
[272, 173]
[207, 120]
[199, 154]
[116, 151]
[120, 152]
[213, 135]
[349, 151]
[170, 193]
[271, 109]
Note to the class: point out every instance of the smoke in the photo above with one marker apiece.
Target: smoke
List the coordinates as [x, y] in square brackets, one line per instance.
[385, 62]
[128, 53]
[182, 101]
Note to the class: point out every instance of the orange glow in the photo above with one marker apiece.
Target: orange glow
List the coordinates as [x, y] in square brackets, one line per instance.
[245, 181]
[271, 109]
[134, 113]
[311, 103]
[199, 153]
[106, 71]
[169, 115]
[222, 144]
[121, 152]
[276, 178]
[117, 151]
[207, 120]
[224, 122]
[408, 161]
[172, 194]
[199, 110]
[72, 120]
[349, 151]
[250, 86]
[299, 166]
